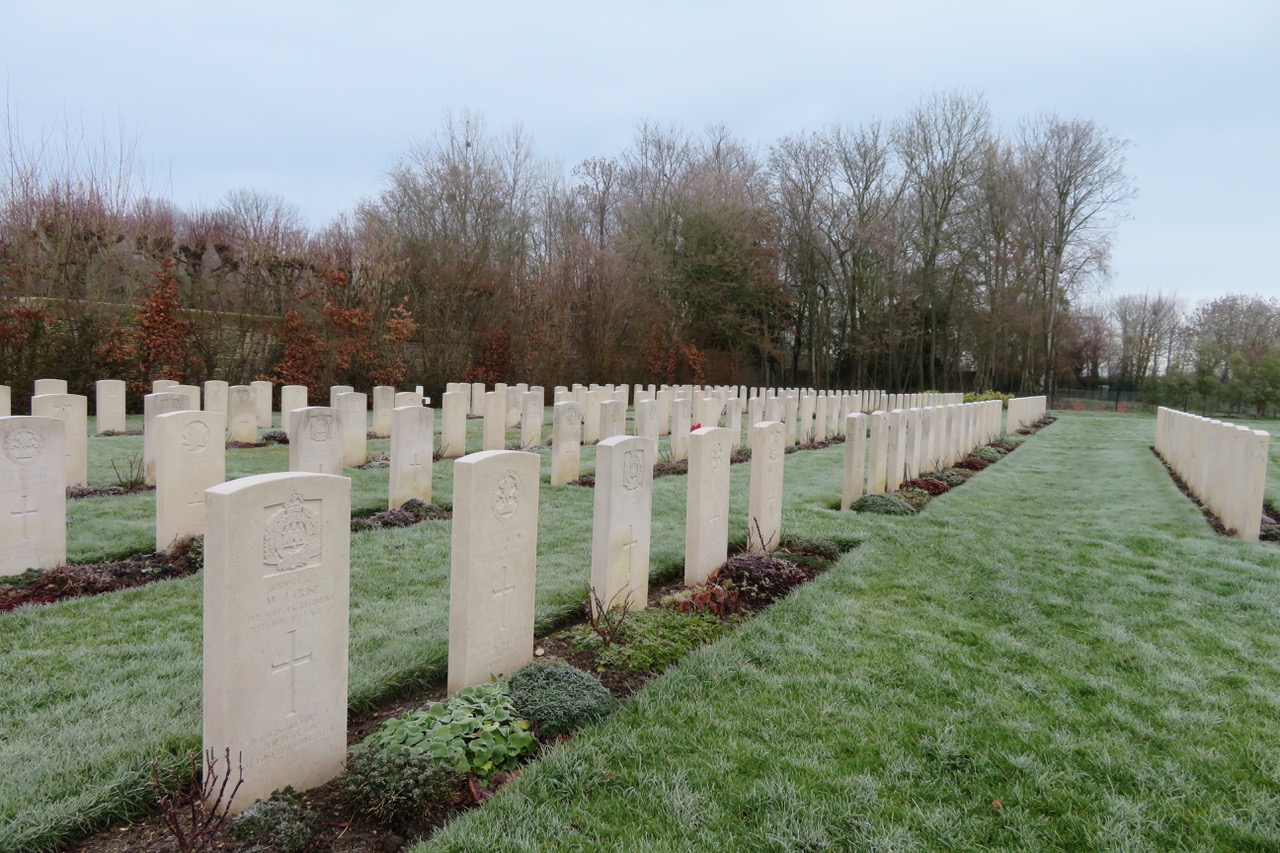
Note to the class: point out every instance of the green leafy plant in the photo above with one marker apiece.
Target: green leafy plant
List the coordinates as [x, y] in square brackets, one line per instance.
[882, 505]
[278, 823]
[987, 454]
[652, 639]
[477, 731]
[951, 477]
[558, 698]
[394, 787]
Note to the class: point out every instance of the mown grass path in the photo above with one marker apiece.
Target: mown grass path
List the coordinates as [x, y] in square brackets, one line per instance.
[1058, 656]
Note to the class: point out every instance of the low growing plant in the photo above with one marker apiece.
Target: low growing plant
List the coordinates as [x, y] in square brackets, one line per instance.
[558, 698]
[760, 579]
[987, 454]
[477, 731]
[652, 639]
[917, 499]
[973, 463]
[951, 477]
[399, 787]
[930, 484]
[278, 823]
[882, 505]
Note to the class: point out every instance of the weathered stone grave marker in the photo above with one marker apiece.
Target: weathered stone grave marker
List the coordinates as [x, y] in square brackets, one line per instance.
[33, 504]
[276, 593]
[622, 521]
[764, 517]
[494, 565]
[108, 405]
[412, 437]
[706, 544]
[190, 456]
[315, 440]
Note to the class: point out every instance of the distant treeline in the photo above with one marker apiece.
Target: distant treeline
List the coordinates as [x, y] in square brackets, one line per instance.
[929, 252]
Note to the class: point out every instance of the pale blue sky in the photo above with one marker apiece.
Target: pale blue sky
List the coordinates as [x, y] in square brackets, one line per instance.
[314, 101]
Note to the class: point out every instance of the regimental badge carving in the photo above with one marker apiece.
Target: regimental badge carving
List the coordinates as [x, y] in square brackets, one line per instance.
[717, 455]
[292, 538]
[506, 494]
[774, 451]
[23, 445]
[195, 437]
[321, 427]
[573, 416]
[632, 469]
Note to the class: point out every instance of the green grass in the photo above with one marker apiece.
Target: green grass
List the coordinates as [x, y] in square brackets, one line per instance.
[1063, 634]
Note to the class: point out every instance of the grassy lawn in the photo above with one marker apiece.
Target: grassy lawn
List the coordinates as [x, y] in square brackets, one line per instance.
[1063, 634]
[1060, 655]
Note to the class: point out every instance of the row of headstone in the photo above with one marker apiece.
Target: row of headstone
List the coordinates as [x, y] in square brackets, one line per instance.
[884, 449]
[1025, 411]
[1222, 464]
[235, 402]
[277, 569]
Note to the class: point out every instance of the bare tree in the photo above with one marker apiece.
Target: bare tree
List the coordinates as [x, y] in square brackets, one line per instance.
[1079, 192]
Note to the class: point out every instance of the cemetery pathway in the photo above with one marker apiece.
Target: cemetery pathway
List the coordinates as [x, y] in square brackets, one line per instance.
[1059, 655]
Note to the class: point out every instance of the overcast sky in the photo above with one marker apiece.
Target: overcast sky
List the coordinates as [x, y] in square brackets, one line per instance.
[314, 101]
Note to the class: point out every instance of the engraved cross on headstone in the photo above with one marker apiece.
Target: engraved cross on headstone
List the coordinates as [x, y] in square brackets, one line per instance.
[291, 664]
[629, 547]
[23, 513]
[504, 592]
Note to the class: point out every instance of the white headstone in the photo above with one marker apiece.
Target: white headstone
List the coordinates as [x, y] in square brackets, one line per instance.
[566, 442]
[154, 405]
[192, 391]
[276, 593]
[33, 503]
[531, 418]
[412, 437]
[215, 397]
[495, 420]
[706, 537]
[48, 386]
[494, 565]
[6, 402]
[855, 459]
[292, 397]
[613, 419]
[108, 405]
[407, 398]
[190, 456]
[262, 392]
[680, 424]
[764, 515]
[73, 411]
[242, 415]
[335, 390]
[353, 414]
[623, 512]
[453, 424]
[315, 440]
[159, 386]
[384, 400]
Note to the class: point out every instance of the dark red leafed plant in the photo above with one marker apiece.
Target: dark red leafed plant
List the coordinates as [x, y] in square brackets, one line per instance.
[972, 463]
[927, 484]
